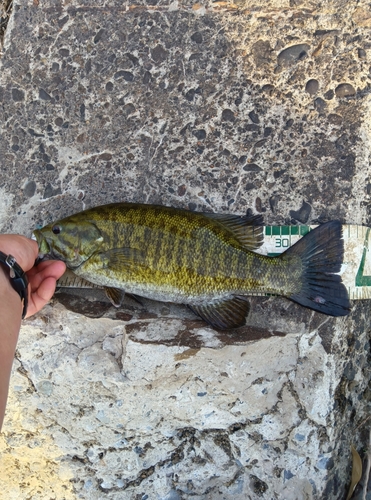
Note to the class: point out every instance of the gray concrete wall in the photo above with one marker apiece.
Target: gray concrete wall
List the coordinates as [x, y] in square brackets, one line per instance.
[216, 106]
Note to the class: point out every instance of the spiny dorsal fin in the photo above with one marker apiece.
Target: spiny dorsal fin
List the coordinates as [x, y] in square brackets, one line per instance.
[247, 229]
[230, 313]
[115, 295]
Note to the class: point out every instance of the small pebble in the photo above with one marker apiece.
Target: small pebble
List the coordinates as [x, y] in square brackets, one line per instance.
[329, 95]
[254, 117]
[197, 37]
[312, 87]
[320, 105]
[293, 54]
[361, 53]
[345, 90]
[30, 189]
[227, 115]
[302, 215]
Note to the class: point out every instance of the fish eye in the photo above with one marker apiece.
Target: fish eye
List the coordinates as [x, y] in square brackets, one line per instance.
[56, 229]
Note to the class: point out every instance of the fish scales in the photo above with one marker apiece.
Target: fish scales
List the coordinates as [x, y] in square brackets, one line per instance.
[180, 250]
[203, 260]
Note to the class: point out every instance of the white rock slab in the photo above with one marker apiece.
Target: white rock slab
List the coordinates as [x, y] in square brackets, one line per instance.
[93, 409]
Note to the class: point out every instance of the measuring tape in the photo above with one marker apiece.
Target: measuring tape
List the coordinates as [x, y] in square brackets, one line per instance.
[355, 271]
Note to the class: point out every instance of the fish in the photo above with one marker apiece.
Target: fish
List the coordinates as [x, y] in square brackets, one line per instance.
[207, 261]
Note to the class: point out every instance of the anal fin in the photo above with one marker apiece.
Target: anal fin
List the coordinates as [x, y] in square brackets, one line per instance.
[230, 313]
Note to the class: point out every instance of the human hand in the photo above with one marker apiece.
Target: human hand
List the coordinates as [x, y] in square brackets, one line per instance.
[42, 278]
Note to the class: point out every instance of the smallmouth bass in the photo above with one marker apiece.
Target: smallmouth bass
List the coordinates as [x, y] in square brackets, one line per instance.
[207, 261]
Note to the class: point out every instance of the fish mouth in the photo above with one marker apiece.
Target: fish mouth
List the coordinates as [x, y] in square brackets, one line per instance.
[45, 252]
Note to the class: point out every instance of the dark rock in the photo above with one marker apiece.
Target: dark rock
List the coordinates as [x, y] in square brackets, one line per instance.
[200, 134]
[228, 115]
[17, 95]
[64, 52]
[273, 202]
[195, 56]
[105, 157]
[268, 89]
[302, 215]
[44, 95]
[325, 32]
[257, 485]
[32, 132]
[30, 189]
[252, 167]
[147, 77]
[190, 95]
[262, 53]
[254, 117]
[292, 55]
[132, 58]
[126, 75]
[197, 37]
[268, 131]
[335, 119]
[312, 87]
[99, 35]
[128, 109]
[159, 54]
[345, 90]
[78, 304]
[320, 105]
[278, 173]
[329, 95]
[252, 127]
[259, 205]
[82, 112]
[63, 21]
[50, 191]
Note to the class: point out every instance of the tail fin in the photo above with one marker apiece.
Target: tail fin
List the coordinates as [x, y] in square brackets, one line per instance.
[321, 252]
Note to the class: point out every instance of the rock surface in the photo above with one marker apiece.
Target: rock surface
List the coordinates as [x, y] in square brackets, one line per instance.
[214, 106]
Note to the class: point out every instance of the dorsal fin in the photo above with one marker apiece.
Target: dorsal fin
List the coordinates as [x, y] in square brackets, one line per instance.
[248, 229]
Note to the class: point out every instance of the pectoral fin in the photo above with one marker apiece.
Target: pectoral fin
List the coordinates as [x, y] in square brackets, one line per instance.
[115, 295]
[225, 314]
[122, 259]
